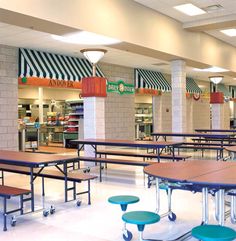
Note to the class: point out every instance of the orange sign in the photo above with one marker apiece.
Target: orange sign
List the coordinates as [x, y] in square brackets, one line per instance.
[34, 81]
[148, 91]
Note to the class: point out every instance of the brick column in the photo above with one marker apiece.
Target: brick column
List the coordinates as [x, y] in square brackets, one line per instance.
[157, 113]
[93, 91]
[217, 114]
[94, 120]
[8, 98]
[178, 79]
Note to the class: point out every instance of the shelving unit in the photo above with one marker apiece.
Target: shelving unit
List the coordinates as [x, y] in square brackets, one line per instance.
[74, 114]
[143, 121]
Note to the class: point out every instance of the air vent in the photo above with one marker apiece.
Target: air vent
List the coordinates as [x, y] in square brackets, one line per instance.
[160, 64]
[213, 8]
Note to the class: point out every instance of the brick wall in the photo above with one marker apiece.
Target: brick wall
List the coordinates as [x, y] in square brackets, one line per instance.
[119, 110]
[8, 98]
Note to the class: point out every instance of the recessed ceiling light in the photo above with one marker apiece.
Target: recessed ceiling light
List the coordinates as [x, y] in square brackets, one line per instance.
[86, 38]
[230, 32]
[213, 69]
[189, 9]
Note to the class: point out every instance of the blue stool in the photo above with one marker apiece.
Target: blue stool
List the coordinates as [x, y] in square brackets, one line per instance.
[124, 201]
[141, 218]
[213, 233]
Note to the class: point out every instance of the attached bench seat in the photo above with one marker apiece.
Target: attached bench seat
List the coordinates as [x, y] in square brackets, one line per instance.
[138, 154]
[203, 146]
[75, 177]
[6, 192]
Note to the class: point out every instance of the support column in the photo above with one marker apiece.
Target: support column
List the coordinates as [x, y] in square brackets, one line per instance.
[94, 121]
[94, 93]
[216, 113]
[40, 97]
[157, 113]
[217, 110]
[189, 113]
[178, 80]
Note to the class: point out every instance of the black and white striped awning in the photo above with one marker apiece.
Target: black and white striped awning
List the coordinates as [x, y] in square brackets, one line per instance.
[148, 79]
[192, 87]
[33, 63]
[232, 89]
[224, 89]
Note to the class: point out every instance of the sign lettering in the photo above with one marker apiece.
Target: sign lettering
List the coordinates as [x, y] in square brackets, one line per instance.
[120, 87]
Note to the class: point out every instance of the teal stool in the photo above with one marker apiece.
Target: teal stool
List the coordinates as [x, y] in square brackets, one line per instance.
[141, 218]
[213, 233]
[124, 201]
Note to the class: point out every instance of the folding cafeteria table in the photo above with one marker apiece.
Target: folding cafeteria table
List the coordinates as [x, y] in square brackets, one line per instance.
[157, 145]
[202, 175]
[164, 135]
[33, 161]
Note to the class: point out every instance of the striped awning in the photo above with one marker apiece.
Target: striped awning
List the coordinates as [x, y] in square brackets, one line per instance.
[148, 79]
[232, 89]
[33, 63]
[224, 89]
[191, 86]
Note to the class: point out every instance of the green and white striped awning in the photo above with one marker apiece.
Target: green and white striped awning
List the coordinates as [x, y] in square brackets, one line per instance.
[232, 89]
[33, 63]
[149, 79]
[224, 89]
[191, 86]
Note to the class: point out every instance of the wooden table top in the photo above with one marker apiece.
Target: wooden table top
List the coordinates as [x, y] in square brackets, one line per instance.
[216, 130]
[189, 134]
[230, 148]
[202, 172]
[32, 159]
[111, 142]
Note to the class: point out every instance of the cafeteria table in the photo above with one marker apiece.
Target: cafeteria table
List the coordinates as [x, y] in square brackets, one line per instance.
[220, 136]
[202, 174]
[216, 130]
[35, 160]
[157, 145]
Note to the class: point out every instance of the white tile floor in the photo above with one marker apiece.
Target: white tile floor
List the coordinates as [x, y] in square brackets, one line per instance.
[102, 221]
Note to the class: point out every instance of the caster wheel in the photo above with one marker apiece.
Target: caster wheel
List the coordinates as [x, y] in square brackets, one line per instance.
[172, 217]
[13, 222]
[45, 213]
[78, 204]
[127, 236]
[52, 210]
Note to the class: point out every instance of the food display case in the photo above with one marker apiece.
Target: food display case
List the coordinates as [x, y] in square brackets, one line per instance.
[143, 121]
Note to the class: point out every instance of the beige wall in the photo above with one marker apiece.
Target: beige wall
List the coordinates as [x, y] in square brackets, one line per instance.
[119, 109]
[8, 98]
[142, 30]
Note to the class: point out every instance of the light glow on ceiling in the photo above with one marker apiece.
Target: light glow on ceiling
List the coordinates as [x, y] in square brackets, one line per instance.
[189, 9]
[229, 32]
[213, 69]
[86, 38]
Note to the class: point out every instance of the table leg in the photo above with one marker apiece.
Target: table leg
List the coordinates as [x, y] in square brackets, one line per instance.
[205, 205]
[66, 184]
[233, 207]
[217, 206]
[158, 154]
[157, 195]
[32, 188]
[221, 206]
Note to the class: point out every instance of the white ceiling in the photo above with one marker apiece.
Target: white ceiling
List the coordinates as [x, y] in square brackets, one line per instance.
[28, 38]
[225, 14]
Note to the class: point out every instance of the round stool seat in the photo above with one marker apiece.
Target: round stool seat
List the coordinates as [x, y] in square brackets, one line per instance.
[213, 233]
[123, 200]
[141, 218]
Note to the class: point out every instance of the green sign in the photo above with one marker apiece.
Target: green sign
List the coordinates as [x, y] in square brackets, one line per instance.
[120, 87]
